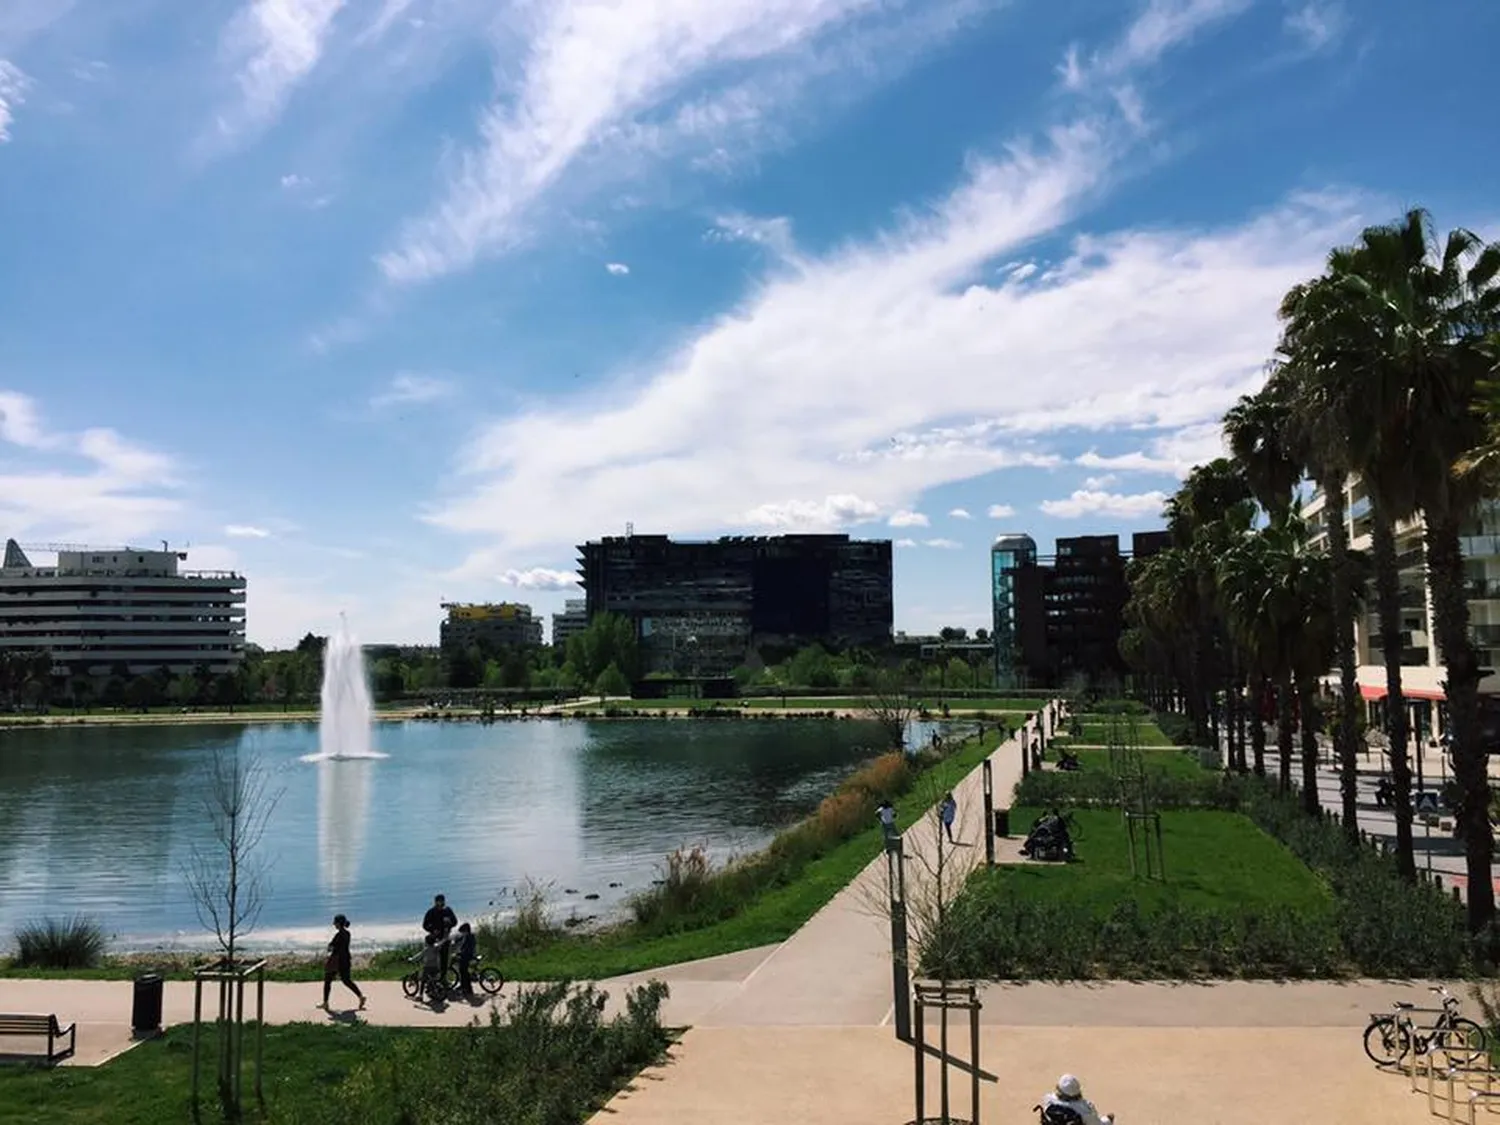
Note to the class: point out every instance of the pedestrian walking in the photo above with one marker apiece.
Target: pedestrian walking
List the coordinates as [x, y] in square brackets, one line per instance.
[947, 811]
[887, 815]
[339, 962]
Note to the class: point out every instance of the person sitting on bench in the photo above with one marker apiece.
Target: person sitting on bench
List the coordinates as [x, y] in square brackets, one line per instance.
[1066, 1105]
[1048, 836]
[1068, 760]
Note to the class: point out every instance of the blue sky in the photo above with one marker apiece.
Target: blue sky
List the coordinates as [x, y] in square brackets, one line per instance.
[392, 301]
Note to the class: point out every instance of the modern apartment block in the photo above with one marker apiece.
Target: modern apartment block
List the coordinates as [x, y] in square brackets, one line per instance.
[1421, 666]
[702, 608]
[1061, 616]
[573, 620]
[98, 610]
[488, 626]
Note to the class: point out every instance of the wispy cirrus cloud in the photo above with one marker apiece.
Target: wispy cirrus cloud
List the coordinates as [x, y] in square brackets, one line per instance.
[272, 45]
[408, 389]
[1158, 26]
[943, 544]
[13, 86]
[605, 86]
[246, 531]
[1317, 24]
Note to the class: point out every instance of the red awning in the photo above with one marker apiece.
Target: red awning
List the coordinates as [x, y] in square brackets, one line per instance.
[1369, 692]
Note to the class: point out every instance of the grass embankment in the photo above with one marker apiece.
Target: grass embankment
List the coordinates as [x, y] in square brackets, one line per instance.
[1252, 887]
[933, 702]
[553, 1061]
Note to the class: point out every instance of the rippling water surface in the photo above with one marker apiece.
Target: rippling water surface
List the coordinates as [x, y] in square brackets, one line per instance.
[101, 820]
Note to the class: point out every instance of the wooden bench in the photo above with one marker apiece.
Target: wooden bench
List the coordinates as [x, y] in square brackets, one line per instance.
[40, 1026]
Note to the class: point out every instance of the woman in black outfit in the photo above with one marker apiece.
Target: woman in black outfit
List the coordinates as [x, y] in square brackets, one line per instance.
[339, 961]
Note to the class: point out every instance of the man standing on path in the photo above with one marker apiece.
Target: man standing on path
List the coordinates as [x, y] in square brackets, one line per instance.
[439, 921]
[947, 811]
[887, 816]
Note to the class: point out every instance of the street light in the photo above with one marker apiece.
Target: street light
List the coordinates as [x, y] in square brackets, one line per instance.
[900, 975]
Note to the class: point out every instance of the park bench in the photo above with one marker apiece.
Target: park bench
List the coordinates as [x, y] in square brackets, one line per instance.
[40, 1026]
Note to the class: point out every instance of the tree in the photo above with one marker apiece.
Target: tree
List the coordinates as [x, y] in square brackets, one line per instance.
[609, 639]
[611, 681]
[890, 704]
[226, 877]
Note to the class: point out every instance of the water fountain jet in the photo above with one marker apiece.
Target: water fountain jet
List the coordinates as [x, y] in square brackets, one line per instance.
[346, 716]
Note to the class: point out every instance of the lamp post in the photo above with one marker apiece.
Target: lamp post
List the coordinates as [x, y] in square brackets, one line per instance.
[989, 812]
[900, 972]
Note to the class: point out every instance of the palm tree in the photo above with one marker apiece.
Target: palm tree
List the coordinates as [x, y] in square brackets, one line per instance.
[1424, 311]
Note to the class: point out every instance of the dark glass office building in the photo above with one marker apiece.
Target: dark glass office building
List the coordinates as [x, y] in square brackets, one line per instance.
[701, 608]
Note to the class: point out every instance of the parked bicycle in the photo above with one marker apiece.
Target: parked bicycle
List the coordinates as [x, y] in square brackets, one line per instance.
[1390, 1037]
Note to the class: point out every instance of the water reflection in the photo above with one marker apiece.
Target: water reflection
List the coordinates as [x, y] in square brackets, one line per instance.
[344, 789]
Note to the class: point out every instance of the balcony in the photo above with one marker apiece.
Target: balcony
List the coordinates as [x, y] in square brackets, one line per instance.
[1485, 636]
[1483, 589]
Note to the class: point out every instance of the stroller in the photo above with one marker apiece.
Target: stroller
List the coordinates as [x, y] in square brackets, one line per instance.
[1049, 839]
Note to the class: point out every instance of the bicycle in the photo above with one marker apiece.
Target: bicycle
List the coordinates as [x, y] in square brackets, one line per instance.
[1389, 1037]
[489, 979]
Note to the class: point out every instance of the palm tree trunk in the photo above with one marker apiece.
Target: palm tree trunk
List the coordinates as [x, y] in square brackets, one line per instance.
[1258, 723]
[1388, 593]
[1450, 603]
[1307, 691]
[1284, 733]
[1343, 609]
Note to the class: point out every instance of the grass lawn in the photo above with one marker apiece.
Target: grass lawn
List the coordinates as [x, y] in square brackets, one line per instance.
[1173, 763]
[1213, 860]
[1095, 731]
[151, 1084]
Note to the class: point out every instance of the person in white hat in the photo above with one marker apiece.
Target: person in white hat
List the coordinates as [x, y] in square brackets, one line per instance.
[1069, 1096]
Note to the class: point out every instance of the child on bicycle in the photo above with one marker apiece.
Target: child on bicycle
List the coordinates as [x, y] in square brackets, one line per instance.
[432, 965]
[467, 949]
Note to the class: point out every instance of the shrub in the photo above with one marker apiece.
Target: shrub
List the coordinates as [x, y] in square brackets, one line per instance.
[528, 927]
[76, 942]
[1177, 728]
[551, 1060]
[1096, 789]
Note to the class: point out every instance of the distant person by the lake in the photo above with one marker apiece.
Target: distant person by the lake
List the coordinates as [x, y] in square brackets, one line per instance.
[947, 811]
[339, 962]
[887, 815]
[438, 923]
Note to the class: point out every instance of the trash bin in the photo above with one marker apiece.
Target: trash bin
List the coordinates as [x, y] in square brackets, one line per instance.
[1002, 822]
[145, 1011]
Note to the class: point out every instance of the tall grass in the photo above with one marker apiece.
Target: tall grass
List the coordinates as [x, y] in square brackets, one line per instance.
[526, 927]
[693, 892]
[75, 942]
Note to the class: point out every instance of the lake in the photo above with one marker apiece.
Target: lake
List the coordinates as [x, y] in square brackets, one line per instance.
[102, 820]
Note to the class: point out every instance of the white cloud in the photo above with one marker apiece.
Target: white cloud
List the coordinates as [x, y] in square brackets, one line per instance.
[907, 519]
[273, 45]
[1000, 511]
[13, 86]
[828, 514]
[1086, 502]
[960, 514]
[1160, 26]
[619, 269]
[603, 88]
[292, 181]
[903, 543]
[943, 544]
[1094, 484]
[539, 578]
[1176, 453]
[1317, 24]
[92, 486]
[821, 383]
[245, 531]
[412, 390]
[775, 234]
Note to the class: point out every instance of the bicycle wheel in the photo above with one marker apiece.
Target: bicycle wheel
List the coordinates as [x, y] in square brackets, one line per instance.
[1463, 1041]
[450, 979]
[490, 980]
[1384, 1042]
[411, 984]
